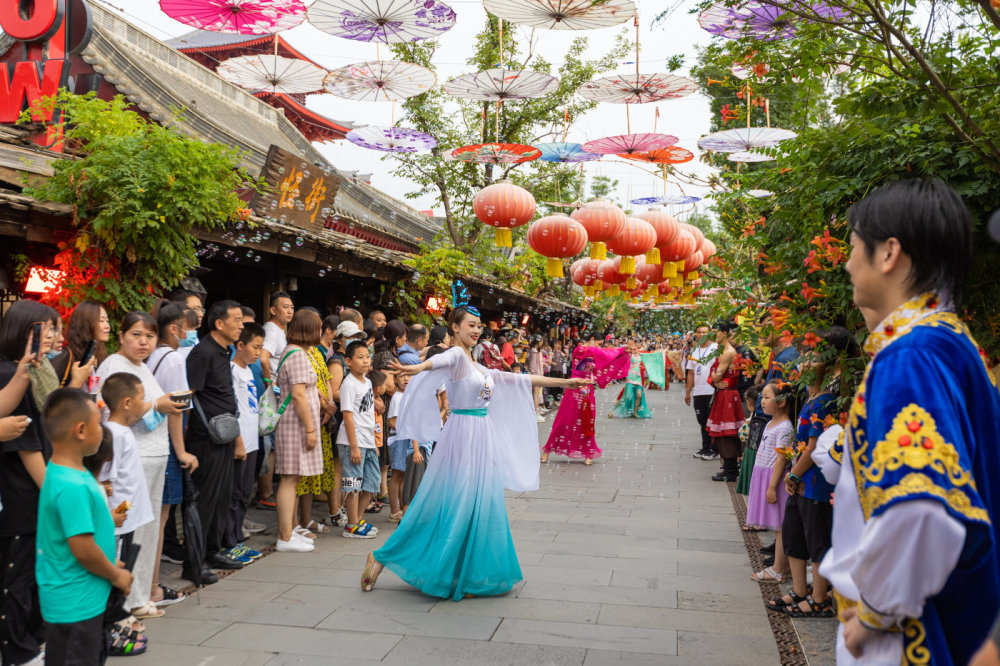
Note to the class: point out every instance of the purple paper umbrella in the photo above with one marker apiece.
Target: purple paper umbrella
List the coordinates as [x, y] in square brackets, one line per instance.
[763, 21]
[391, 139]
[647, 201]
[745, 138]
[385, 21]
[629, 143]
[242, 17]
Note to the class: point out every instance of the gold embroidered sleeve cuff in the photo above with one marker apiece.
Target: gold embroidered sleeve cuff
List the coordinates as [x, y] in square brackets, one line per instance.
[877, 621]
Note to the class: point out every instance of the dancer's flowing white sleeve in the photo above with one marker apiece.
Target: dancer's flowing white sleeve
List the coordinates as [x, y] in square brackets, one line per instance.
[419, 415]
[512, 413]
[824, 456]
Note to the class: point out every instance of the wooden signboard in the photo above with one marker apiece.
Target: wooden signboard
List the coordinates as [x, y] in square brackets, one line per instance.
[299, 192]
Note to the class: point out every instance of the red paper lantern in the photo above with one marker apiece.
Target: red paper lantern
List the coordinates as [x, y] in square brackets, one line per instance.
[557, 237]
[638, 238]
[677, 251]
[584, 271]
[664, 288]
[504, 205]
[708, 249]
[666, 228]
[693, 262]
[603, 221]
[648, 272]
[699, 237]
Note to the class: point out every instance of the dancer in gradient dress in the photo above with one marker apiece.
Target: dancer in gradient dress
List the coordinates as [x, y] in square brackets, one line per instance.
[454, 540]
[572, 432]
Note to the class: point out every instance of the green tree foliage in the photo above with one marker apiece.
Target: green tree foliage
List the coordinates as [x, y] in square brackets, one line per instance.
[602, 186]
[140, 190]
[877, 93]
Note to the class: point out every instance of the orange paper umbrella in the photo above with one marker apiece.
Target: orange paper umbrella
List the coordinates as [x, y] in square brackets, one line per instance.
[666, 228]
[603, 221]
[638, 238]
[504, 205]
[668, 155]
[557, 237]
[496, 153]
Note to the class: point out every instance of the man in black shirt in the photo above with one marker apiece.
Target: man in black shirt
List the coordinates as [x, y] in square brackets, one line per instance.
[210, 377]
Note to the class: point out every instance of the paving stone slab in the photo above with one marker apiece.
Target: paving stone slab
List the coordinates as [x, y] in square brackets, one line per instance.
[404, 598]
[612, 658]
[172, 654]
[182, 631]
[409, 623]
[742, 624]
[522, 608]
[663, 598]
[290, 613]
[652, 566]
[722, 649]
[422, 651]
[571, 634]
[296, 640]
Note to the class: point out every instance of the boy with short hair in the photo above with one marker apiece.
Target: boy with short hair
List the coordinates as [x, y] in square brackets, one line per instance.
[125, 397]
[356, 441]
[248, 351]
[76, 566]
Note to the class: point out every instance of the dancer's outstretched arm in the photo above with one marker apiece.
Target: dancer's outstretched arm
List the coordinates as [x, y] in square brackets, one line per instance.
[411, 369]
[556, 382]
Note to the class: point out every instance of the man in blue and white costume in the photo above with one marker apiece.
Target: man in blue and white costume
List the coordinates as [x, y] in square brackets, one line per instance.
[914, 558]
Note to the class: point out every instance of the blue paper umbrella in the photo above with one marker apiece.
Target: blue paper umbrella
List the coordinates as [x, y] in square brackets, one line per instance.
[566, 152]
[648, 201]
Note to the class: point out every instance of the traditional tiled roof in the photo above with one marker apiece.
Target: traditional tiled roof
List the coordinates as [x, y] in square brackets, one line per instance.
[314, 126]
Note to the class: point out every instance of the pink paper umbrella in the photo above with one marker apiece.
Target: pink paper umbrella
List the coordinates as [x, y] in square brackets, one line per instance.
[629, 143]
[242, 17]
[637, 88]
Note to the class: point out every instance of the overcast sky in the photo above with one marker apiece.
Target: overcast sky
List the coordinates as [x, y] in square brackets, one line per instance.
[686, 118]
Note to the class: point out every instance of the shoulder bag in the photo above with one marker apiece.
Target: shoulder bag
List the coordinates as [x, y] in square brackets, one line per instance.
[268, 410]
[222, 429]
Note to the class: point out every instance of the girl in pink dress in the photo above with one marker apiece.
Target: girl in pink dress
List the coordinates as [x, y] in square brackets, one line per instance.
[572, 432]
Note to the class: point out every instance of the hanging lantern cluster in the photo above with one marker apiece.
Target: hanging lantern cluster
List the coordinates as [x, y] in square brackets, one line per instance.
[557, 237]
[603, 221]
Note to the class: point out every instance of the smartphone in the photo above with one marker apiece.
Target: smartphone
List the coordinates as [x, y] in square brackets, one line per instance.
[36, 339]
[88, 352]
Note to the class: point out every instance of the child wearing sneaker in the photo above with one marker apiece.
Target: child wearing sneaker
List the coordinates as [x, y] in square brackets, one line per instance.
[248, 350]
[76, 565]
[356, 441]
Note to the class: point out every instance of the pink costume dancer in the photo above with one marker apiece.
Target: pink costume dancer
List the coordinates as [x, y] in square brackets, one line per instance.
[573, 430]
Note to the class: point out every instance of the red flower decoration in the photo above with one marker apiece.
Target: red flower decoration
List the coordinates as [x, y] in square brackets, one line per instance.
[811, 340]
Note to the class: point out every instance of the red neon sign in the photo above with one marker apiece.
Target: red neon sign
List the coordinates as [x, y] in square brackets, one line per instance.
[43, 280]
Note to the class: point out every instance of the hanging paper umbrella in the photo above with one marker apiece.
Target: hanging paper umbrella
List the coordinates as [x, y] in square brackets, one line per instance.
[759, 194]
[629, 143]
[391, 139]
[379, 80]
[680, 200]
[559, 204]
[744, 138]
[499, 84]
[497, 153]
[750, 156]
[242, 17]
[562, 14]
[637, 88]
[384, 21]
[762, 21]
[668, 155]
[273, 74]
[647, 201]
[719, 19]
[565, 152]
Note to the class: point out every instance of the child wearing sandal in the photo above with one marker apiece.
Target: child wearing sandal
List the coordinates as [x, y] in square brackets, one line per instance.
[767, 498]
[76, 564]
[356, 442]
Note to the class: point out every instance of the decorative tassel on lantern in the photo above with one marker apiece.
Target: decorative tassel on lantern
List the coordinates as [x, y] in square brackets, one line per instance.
[599, 251]
[677, 282]
[503, 237]
[615, 290]
[693, 275]
[553, 268]
[598, 286]
[630, 282]
[627, 266]
[651, 291]
[660, 298]
[669, 269]
[653, 256]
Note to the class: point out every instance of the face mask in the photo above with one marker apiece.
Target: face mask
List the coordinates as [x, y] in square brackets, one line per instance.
[152, 418]
[52, 354]
[190, 339]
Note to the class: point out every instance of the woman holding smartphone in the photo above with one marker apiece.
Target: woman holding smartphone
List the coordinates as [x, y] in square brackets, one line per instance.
[138, 336]
[87, 333]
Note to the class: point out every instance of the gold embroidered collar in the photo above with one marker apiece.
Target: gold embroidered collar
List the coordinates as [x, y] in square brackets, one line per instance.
[902, 319]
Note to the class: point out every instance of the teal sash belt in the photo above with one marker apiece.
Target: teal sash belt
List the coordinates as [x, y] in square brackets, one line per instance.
[480, 412]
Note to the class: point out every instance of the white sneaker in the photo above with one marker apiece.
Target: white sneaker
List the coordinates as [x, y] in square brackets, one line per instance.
[540, 418]
[295, 546]
[302, 539]
[250, 527]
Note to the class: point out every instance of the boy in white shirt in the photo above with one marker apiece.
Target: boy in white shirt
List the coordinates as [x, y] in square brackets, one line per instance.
[361, 474]
[248, 349]
[125, 397]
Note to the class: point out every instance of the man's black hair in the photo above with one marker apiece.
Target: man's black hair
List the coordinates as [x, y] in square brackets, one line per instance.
[248, 312]
[353, 347]
[182, 295]
[219, 310]
[277, 296]
[250, 331]
[415, 333]
[932, 225]
[63, 409]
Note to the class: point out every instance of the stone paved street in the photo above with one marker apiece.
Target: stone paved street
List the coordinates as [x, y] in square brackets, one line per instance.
[636, 560]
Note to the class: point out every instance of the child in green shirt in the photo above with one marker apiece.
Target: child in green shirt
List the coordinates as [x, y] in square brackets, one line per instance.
[75, 567]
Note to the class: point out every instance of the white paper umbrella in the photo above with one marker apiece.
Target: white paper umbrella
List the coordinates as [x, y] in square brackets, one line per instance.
[498, 84]
[273, 74]
[380, 80]
[744, 138]
[385, 21]
[749, 156]
[562, 14]
[637, 88]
